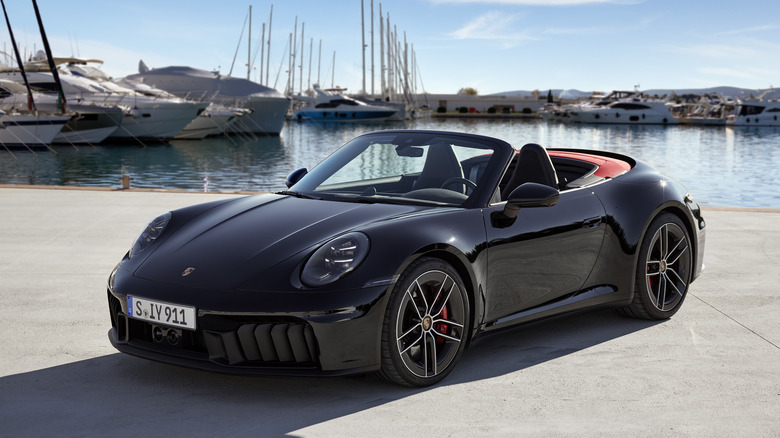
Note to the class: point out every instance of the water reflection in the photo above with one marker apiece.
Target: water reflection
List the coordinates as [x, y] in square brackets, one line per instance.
[720, 166]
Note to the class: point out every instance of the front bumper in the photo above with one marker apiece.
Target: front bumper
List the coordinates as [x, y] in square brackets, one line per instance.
[308, 340]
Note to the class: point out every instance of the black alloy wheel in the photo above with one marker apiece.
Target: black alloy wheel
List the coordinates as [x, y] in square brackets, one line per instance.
[664, 269]
[426, 324]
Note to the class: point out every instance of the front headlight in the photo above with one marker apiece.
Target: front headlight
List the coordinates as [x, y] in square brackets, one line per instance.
[150, 233]
[335, 259]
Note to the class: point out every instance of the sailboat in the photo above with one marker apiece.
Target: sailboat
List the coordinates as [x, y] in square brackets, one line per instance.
[32, 129]
[89, 124]
[144, 117]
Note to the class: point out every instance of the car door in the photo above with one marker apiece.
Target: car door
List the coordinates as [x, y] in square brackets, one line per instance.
[545, 254]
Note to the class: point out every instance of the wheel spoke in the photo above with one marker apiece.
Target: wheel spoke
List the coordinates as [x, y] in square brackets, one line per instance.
[448, 322]
[430, 344]
[414, 303]
[426, 306]
[661, 297]
[678, 254]
[650, 277]
[412, 344]
[663, 242]
[445, 336]
[673, 283]
[415, 327]
[443, 302]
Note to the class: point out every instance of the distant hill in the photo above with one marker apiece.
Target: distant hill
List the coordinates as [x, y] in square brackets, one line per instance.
[734, 92]
[737, 93]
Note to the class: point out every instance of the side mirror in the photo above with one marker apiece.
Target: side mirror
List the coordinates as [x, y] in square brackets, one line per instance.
[530, 195]
[295, 176]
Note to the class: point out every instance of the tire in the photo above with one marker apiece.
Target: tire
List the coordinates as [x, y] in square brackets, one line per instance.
[664, 269]
[426, 324]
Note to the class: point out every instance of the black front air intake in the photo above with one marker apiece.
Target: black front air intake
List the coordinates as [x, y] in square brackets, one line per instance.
[268, 344]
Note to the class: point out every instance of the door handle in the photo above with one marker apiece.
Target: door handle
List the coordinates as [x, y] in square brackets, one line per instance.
[592, 222]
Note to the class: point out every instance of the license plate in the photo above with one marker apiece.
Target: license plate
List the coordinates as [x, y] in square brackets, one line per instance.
[172, 315]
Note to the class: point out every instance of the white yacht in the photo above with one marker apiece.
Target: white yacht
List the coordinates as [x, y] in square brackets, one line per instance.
[266, 108]
[214, 120]
[332, 106]
[625, 108]
[30, 130]
[710, 110]
[145, 118]
[755, 112]
[89, 124]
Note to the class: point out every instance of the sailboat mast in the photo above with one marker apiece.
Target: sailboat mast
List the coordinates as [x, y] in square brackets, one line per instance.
[268, 57]
[389, 59]
[289, 66]
[381, 53]
[372, 47]
[406, 68]
[262, 55]
[249, 47]
[30, 102]
[311, 47]
[300, 69]
[319, 63]
[61, 102]
[363, 43]
[293, 53]
[238, 46]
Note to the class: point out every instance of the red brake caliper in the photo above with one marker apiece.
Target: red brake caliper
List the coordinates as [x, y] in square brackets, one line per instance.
[442, 327]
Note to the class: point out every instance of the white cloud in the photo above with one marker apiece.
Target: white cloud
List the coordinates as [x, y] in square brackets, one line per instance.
[493, 26]
[642, 23]
[748, 30]
[578, 30]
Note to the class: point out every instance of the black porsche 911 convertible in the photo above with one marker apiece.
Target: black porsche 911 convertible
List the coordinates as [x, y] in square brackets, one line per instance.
[397, 251]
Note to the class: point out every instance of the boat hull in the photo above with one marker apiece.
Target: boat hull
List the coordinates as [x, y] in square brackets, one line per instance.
[755, 120]
[343, 116]
[90, 126]
[157, 122]
[21, 130]
[265, 115]
[621, 118]
[206, 125]
[267, 107]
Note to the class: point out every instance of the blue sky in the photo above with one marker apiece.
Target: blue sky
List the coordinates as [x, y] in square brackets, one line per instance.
[490, 45]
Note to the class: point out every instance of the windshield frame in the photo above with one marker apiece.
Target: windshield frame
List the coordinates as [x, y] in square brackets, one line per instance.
[498, 154]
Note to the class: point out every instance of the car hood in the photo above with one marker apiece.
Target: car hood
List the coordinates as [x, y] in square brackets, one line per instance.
[224, 246]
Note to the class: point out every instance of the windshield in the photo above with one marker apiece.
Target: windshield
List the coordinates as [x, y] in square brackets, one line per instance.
[405, 167]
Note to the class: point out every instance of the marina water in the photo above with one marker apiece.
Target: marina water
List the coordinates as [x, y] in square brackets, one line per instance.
[729, 167]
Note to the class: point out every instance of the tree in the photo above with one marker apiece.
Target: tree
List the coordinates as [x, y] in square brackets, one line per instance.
[468, 91]
[549, 96]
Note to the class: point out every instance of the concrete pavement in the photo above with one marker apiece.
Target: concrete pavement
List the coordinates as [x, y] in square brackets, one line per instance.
[712, 370]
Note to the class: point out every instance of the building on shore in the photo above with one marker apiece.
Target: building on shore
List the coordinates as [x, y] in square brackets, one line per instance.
[482, 104]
